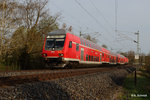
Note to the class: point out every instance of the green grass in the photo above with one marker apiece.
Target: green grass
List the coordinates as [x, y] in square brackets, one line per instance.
[132, 92]
[8, 68]
[2, 67]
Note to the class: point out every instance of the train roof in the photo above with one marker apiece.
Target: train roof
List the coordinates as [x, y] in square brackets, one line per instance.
[64, 32]
[58, 32]
[105, 50]
[122, 56]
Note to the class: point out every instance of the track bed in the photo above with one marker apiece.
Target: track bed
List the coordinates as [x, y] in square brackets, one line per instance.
[21, 77]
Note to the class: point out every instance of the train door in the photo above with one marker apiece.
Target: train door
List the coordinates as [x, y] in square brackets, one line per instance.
[82, 54]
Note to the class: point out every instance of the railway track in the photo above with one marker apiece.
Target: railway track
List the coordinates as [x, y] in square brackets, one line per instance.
[30, 76]
[44, 71]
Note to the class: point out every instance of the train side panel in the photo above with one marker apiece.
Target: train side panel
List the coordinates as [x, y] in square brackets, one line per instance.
[72, 49]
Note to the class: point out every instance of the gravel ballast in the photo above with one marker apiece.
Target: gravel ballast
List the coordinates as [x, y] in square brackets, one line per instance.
[97, 86]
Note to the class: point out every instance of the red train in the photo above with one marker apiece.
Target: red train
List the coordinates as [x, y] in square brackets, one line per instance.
[61, 48]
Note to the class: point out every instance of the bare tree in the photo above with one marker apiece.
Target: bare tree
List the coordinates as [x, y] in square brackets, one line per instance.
[7, 24]
[31, 12]
[48, 24]
[70, 29]
[104, 46]
[64, 26]
[147, 62]
[23, 28]
[131, 57]
[90, 38]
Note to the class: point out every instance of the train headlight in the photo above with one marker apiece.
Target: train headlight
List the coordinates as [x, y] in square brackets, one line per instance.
[44, 54]
[61, 54]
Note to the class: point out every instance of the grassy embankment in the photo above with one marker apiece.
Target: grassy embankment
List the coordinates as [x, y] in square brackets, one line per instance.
[142, 89]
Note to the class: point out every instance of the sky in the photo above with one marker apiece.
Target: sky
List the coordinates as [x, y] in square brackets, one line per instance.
[99, 17]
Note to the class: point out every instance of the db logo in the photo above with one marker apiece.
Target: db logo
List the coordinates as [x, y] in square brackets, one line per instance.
[52, 51]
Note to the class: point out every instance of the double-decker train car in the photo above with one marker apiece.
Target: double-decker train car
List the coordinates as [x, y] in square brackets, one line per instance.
[61, 48]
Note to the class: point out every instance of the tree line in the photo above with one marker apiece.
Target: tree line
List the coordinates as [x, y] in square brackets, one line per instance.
[23, 25]
[144, 60]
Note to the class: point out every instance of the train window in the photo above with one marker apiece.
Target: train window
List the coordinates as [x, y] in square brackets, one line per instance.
[87, 57]
[97, 58]
[100, 57]
[59, 43]
[77, 47]
[70, 44]
[91, 58]
[83, 42]
[102, 54]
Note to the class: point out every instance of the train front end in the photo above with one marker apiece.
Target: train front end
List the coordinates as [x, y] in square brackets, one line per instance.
[53, 49]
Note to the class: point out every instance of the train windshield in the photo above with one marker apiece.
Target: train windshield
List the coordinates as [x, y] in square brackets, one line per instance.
[54, 43]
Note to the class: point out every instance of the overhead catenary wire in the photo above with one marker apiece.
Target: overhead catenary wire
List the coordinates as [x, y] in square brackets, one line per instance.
[116, 8]
[72, 17]
[79, 21]
[118, 33]
[125, 36]
[102, 16]
[116, 25]
[97, 21]
[116, 15]
[100, 12]
[93, 17]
